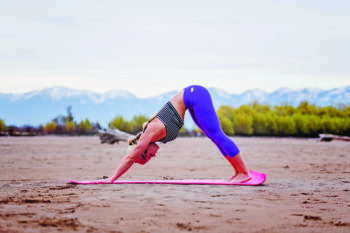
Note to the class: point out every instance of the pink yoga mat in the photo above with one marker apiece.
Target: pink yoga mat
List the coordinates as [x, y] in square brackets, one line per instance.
[257, 179]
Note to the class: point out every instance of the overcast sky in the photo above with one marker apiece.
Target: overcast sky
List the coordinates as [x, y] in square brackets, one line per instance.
[151, 47]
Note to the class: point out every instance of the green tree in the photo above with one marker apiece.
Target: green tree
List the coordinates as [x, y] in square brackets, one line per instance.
[330, 111]
[226, 111]
[2, 125]
[260, 108]
[137, 122]
[70, 127]
[330, 125]
[314, 125]
[226, 125]
[50, 127]
[285, 126]
[271, 123]
[85, 126]
[260, 124]
[284, 110]
[302, 124]
[119, 123]
[346, 111]
[243, 124]
[306, 109]
[244, 110]
[345, 126]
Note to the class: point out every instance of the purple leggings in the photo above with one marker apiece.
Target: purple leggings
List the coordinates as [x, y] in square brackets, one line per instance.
[200, 105]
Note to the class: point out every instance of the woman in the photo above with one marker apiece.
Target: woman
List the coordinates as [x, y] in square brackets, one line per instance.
[166, 124]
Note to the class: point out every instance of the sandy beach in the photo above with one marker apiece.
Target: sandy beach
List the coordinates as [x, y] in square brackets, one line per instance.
[307, 187]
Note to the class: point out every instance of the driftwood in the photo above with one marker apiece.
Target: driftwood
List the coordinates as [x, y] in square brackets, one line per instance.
[330, 137]
[112, 136]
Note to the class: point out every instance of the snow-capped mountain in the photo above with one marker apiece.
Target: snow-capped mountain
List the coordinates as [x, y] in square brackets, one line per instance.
[39, 107]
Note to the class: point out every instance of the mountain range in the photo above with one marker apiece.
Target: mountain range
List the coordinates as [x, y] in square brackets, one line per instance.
[39, 107]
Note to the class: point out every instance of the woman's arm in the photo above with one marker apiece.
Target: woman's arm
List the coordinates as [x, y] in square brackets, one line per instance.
[130, 159]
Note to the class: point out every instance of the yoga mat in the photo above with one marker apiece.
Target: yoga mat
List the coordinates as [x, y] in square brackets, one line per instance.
[257, 179]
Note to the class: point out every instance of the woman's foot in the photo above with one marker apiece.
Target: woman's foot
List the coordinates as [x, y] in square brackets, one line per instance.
[240, 177]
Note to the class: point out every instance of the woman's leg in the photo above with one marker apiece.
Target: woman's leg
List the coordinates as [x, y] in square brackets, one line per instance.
[193, 115]
[203, 114]
[201, 108]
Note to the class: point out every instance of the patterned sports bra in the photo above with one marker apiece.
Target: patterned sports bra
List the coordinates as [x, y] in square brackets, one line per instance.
[171, 120]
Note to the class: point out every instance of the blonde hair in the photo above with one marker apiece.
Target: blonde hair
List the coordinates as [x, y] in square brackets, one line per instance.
[133, 141]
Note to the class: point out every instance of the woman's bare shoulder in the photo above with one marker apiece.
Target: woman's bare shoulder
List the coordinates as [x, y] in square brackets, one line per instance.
[155, 130]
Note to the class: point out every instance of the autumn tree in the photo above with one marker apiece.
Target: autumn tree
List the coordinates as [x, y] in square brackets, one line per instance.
[2, 125]
[50, 127]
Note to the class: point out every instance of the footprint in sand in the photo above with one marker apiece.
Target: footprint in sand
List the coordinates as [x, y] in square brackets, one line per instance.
[339, 223]
[310, 217]
[184, 226]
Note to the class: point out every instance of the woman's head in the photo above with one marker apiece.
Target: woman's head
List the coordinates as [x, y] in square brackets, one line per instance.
[150, 151]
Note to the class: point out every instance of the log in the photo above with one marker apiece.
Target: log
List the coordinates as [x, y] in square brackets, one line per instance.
[330, 137]
[112, 136]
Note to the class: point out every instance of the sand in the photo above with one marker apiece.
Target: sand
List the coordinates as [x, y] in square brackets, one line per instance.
[307, 187]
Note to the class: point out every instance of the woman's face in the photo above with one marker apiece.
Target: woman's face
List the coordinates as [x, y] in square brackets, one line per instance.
[152, 149]
[148, 153]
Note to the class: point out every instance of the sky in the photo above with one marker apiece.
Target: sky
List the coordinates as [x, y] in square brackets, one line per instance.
[152, 47]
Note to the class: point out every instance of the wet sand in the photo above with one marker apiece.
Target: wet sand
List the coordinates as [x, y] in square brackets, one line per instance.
[307, 187]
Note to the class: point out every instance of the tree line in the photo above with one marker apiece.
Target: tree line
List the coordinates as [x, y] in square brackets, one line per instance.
[305, 120]
[60, 125]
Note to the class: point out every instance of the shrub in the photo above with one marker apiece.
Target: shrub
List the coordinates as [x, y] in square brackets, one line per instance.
[50, 127]
[119, 123]
[70, 127]
[85, 126]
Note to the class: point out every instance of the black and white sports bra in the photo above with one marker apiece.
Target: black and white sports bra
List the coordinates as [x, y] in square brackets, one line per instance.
[171, 120]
